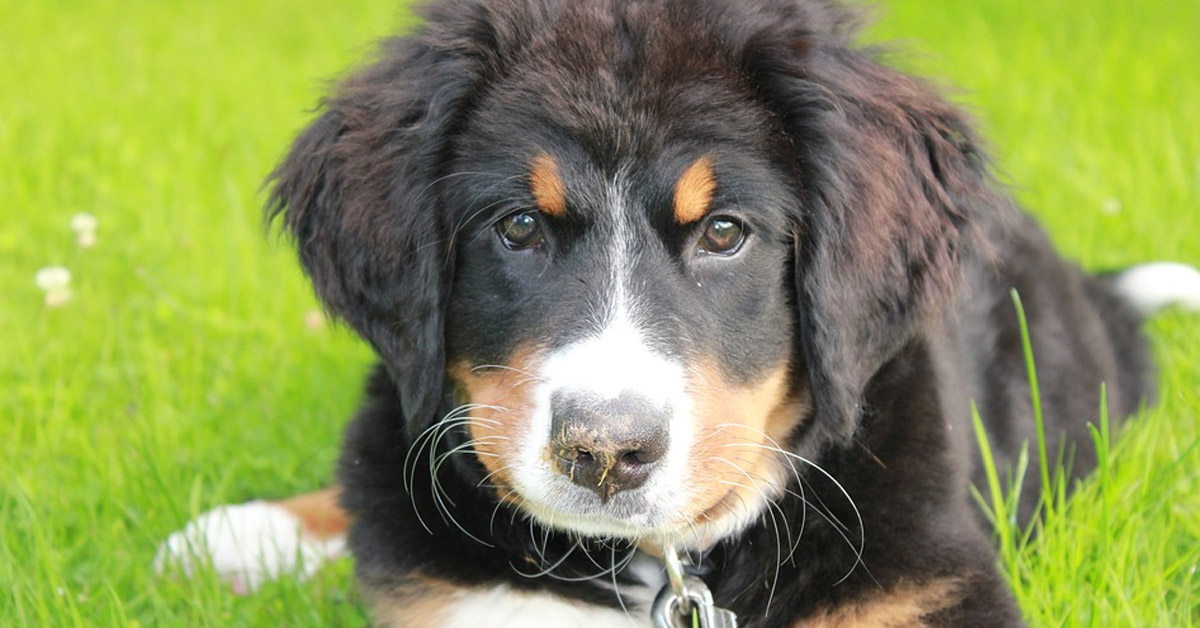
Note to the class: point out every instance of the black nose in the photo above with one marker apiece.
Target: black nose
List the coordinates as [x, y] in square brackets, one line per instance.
[607, 445]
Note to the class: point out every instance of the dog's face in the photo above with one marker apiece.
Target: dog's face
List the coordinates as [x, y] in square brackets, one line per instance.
[620, 323]
[638, 257]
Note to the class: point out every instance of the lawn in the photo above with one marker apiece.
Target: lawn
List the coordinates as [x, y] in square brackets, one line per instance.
[187, 369]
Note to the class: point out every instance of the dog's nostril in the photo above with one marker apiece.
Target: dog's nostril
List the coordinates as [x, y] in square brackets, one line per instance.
[639, 457]
[633, 457]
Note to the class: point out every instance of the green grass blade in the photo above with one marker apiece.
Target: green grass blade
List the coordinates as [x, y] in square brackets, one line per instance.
[1035, 394]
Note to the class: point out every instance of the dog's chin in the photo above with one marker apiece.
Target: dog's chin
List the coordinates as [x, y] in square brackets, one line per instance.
[599, 523]
[636, 518]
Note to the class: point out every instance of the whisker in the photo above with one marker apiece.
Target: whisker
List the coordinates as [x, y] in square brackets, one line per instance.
[504, 367]
[425, 445]
[770, 511]
[547, 571]
[500, 502]
[792, 456]
[616, 588]
[858, 551]
[493, 473]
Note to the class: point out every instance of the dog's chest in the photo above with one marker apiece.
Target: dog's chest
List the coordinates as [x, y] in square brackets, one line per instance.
[502, 607]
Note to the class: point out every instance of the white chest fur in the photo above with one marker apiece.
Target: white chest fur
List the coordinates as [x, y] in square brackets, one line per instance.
[502, 607]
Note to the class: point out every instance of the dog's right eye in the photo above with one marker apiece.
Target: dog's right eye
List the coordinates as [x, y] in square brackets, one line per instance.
[521, 230]
[723, 236]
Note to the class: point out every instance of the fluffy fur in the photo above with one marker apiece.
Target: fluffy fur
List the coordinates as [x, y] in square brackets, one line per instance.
[836, 350]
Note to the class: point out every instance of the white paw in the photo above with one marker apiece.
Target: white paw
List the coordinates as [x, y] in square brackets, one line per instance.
[247, 545]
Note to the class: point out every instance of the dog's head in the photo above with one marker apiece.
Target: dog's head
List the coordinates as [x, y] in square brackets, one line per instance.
[636, 253]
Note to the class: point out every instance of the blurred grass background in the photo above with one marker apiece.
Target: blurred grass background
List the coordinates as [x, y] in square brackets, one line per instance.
[183, 373]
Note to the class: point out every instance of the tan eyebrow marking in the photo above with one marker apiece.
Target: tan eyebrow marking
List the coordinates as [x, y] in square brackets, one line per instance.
[694, 191]
[549, 193]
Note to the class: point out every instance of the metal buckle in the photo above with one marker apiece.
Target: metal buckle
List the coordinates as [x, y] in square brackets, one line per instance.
[684, 594]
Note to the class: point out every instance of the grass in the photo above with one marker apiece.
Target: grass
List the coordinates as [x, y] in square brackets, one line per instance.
[182, 374]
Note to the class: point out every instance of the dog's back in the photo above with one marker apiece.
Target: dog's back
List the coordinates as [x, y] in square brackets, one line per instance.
[1085, 335]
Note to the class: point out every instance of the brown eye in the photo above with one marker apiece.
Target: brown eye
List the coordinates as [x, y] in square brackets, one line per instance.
[520, 230]
[722, 236]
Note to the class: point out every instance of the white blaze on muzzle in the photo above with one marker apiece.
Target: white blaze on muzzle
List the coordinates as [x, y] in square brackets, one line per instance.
[616, 363]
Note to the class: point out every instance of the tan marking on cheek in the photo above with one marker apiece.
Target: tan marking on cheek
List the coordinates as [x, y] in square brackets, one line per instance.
[732, 462]
[694, 191]
[547, 186]
[418, 602]
[906, 606]
[499, 427]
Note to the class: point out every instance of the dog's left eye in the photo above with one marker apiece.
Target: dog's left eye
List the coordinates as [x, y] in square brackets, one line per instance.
[521, 230]
[722, 236]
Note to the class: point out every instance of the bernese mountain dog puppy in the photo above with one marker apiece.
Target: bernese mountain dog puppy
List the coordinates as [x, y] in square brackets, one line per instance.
[694, 277]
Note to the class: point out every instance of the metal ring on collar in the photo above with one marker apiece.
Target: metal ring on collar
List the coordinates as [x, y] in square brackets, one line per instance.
[675, 573]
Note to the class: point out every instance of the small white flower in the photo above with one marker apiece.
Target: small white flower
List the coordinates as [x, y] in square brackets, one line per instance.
[55, 281]
[314, 320]
[85, 225]
[1111, 206]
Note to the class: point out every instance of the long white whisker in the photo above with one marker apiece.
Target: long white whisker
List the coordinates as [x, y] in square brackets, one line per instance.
[499, 503]
[788, 455]
[504, 367]
[426, 444]
[794, 541]
[548, 570]
[858, 551]
[770, 511]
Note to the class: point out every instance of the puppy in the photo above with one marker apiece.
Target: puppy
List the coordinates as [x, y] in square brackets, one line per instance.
[697, 276]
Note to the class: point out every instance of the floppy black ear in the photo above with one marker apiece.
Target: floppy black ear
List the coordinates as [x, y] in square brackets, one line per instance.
[358, 193]
[891, 179]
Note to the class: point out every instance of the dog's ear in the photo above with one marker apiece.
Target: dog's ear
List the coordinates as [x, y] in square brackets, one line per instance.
[891, 182]
[358, 193]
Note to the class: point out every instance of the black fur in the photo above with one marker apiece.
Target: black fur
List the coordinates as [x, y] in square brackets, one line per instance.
[884, 264]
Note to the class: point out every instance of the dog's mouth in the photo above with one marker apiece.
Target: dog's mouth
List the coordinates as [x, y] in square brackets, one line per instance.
[641, 516]
[660, 449]
[722, 482]
[629, 515]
